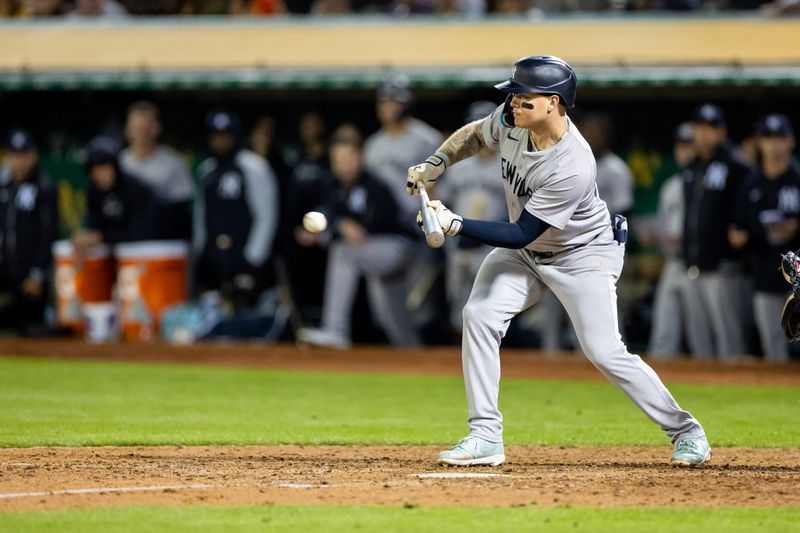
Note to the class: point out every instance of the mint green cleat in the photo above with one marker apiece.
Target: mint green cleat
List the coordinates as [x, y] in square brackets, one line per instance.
[473, 450]
[691, 452]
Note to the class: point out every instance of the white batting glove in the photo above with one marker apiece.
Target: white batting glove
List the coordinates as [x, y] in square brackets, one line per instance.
[450, 222]
[426, 173]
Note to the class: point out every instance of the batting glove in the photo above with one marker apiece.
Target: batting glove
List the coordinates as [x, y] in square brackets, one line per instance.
[426, 173]
[450, 222]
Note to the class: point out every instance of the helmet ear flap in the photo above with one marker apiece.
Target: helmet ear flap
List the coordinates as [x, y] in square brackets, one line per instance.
[507, 116]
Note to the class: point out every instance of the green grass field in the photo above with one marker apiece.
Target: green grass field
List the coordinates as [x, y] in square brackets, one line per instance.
[292, 519]
[87, 403]
[45, 402]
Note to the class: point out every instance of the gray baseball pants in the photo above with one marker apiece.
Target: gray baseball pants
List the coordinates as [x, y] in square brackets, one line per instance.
[584, 280]
[714, 315]
[668, 311]
[767, 308]
[383, 260]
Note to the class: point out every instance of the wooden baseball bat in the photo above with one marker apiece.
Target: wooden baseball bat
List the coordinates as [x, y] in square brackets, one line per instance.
[430, 224]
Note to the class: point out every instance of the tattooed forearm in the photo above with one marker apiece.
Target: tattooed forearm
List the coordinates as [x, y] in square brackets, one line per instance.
[465, 142]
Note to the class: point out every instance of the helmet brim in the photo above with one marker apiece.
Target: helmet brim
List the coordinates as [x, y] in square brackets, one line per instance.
[512, 86]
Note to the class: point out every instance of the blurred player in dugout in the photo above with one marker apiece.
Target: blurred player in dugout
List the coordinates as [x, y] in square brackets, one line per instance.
[119, 207]
[159, 167]
[236, 216]
[401, 142]
[306, 171]
[669, 316]
[28, 227]
[716, 288]
[766, 225]
[367, 236]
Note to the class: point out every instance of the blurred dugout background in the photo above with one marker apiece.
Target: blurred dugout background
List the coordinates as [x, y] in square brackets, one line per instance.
[67, 78]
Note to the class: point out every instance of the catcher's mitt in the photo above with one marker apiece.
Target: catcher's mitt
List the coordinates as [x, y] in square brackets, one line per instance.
[790, 317]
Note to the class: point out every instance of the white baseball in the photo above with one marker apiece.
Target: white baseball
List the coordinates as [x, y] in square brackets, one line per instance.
[315, 221]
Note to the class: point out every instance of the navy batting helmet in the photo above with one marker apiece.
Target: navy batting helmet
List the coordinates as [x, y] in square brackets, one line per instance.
[542, 75]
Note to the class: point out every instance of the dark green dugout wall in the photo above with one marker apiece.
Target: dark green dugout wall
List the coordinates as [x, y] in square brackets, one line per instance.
[644, 118]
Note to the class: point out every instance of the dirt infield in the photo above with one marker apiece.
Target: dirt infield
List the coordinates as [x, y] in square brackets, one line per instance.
[382, 475]
[40, 478]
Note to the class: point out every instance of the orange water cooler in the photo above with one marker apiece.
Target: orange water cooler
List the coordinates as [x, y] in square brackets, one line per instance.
[81, 281]
[151, 276]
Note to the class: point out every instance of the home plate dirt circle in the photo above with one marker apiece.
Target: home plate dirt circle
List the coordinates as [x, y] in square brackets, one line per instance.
[391, 475]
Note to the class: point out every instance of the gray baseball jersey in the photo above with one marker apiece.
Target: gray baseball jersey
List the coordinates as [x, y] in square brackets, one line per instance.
[165, 171]
[556, 185]
[388, 156]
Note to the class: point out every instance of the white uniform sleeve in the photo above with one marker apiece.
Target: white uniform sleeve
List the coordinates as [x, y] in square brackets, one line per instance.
[491, 128]
[182, 188]
[557, 199]
[262, 198]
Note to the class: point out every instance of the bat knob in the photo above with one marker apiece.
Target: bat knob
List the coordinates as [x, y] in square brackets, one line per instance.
[435, 240]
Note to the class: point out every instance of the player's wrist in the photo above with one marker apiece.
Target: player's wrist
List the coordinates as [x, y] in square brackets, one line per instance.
[440, 160]
[455, 225]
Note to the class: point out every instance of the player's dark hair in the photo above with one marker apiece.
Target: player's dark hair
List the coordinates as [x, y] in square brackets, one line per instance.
[346, 136]
[144, 106]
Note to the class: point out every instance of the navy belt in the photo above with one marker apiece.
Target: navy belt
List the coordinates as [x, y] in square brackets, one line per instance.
[542, 255]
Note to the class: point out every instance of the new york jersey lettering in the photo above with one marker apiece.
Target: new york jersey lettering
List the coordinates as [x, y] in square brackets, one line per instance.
[517, 182]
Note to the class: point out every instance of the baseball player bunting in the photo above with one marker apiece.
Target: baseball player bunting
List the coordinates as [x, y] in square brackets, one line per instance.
[560, 238]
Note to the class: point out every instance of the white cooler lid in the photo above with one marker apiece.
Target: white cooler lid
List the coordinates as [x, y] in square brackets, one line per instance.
[152, 250]
[64, 248]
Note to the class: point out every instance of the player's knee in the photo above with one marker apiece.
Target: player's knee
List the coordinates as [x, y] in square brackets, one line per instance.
[466, 311]
[470, 314]
[475, 314]
[608, 358]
